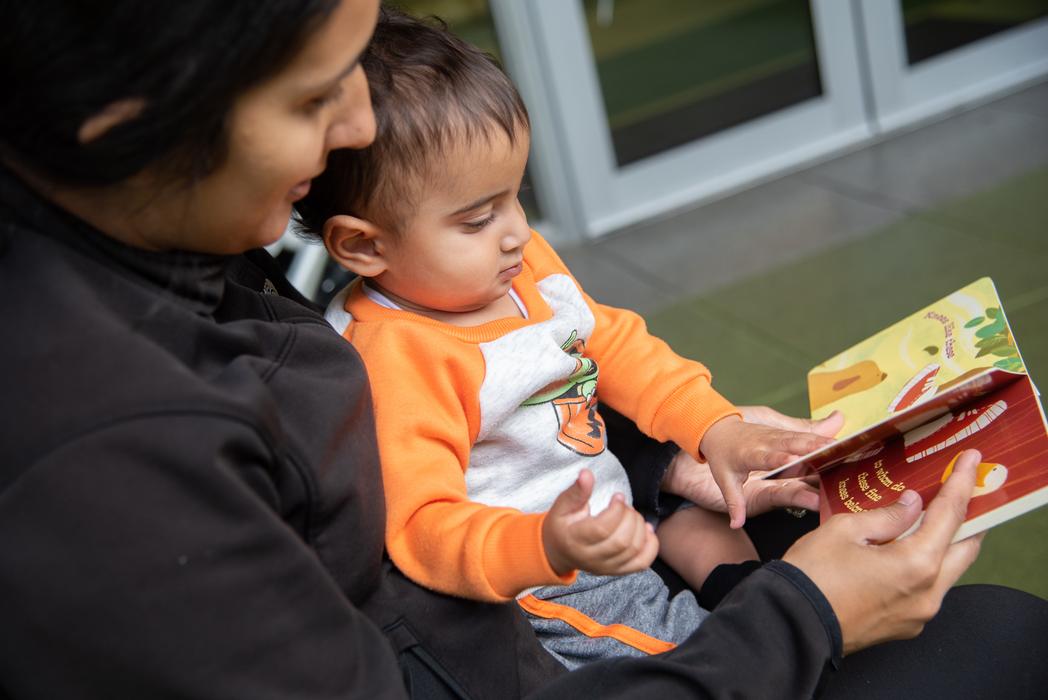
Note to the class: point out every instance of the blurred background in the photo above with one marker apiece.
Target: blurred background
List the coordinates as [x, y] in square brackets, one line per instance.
[771, 181]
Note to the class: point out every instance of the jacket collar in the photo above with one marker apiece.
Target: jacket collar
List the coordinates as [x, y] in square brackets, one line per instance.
[196, 280]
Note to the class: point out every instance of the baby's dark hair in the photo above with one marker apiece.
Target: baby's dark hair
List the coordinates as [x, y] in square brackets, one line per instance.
[431, 92]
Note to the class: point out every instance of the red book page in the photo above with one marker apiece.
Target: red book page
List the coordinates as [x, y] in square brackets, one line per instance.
[948, 398]
[1006, 426]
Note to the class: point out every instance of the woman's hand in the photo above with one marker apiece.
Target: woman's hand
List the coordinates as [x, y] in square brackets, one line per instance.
[614, 542]
[694, 481]
[881, 588]
[735, 448]
[765, 415]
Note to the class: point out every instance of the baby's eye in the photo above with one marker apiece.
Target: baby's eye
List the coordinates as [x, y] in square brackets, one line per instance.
[474, 226]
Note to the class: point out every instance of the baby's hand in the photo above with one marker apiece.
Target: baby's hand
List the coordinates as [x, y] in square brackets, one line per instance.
[734, 449]
[614, 542]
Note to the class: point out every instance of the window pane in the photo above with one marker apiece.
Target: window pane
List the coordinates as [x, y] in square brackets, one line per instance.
[934, 27]
[672, 71]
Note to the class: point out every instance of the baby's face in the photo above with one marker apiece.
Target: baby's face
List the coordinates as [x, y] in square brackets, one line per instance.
[464, 245]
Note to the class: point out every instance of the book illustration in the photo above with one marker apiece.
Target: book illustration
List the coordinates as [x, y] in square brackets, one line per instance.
[865, 452]
[948, 430]
[989, 476]
[966, 377]
[916, 389]
[995, 338]
[1007, 426]
[942, 346]
[937, 406]
[826, 387]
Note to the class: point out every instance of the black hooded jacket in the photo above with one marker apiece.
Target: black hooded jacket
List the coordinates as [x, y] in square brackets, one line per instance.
[191, 505]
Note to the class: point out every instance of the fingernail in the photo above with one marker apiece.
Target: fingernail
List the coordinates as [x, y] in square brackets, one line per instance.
[908, 498]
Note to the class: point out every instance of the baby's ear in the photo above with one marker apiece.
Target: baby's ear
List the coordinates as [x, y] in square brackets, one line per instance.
[355, 244]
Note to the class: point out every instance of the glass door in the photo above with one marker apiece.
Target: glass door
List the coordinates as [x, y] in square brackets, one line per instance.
[657, 104]
[929, 56]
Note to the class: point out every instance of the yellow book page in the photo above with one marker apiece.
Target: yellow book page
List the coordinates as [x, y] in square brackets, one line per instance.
[906, 364]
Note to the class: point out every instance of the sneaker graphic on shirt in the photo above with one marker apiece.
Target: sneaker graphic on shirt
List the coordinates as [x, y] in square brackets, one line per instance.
[575, 402]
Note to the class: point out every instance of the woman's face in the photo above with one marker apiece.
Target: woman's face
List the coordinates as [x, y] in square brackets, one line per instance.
[280, 134]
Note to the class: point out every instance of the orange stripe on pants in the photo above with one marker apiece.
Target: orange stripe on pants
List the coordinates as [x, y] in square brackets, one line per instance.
[591, 628]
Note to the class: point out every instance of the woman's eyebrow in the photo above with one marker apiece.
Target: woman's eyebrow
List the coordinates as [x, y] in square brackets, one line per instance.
[321, 87]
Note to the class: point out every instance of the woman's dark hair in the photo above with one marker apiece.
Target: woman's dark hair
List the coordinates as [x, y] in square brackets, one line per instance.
[431, 91]
[62, 61]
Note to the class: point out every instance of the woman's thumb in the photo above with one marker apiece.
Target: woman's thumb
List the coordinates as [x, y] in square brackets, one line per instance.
[885, 524]
[828, 426]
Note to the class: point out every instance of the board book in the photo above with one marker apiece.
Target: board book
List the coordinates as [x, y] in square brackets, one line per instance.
[915, 395]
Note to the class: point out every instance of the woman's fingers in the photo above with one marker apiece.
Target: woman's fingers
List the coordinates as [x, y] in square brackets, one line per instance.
[765, 415]
[800, 444]
[886, 524]
[959, 556]
[890, 590]
[763, 495]
[947, 510]
[829, 426]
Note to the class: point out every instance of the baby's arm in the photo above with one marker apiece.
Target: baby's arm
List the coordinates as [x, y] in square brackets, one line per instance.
[670, 397]
[427, 417]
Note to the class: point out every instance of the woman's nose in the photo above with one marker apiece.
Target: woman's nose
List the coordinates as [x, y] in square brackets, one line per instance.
[353, 124]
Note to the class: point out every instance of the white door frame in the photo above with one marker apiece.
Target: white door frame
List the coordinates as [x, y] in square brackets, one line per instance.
[547, 47]
[904, 94]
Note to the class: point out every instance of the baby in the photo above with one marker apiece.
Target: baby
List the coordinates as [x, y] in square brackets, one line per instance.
[484, 355]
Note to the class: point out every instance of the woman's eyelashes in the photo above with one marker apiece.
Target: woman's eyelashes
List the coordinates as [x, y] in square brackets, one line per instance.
[318, 103]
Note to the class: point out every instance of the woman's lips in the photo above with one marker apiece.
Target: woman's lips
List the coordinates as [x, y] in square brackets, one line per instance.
[300, 190]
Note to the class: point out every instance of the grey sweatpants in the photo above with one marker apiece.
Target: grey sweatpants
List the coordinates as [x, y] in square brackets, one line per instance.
[629, 615]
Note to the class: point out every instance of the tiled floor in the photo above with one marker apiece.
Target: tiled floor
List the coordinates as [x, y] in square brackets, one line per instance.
[763, 285]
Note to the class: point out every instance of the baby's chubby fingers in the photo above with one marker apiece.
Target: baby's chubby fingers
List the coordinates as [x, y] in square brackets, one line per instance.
[645, 551]
[623, 537]
[616, 527]
[730, 484]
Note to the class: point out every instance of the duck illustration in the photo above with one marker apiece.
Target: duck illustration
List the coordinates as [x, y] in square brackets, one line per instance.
[829, 386]
[989, 476]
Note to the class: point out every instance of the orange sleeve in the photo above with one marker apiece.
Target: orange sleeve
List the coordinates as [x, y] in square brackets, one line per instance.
[427, 418]
[669, 397]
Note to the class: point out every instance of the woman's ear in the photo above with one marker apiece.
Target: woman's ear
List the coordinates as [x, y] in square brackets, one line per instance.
[355, 244]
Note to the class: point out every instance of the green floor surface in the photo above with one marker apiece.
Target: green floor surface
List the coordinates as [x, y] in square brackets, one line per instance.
[761, 335]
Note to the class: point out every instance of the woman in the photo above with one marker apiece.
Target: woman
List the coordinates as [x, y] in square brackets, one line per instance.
[190, 503]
